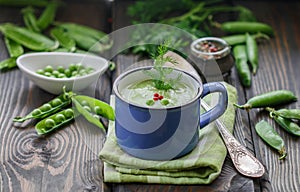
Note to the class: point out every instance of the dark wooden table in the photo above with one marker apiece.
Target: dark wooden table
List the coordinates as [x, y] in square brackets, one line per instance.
[65, 162]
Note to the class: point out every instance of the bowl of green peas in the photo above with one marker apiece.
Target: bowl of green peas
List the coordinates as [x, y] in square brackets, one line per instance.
[51, 71]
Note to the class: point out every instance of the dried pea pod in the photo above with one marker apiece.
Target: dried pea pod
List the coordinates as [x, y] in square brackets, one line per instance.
[14, 49]
[30, 19]
[252, 52]
[240, 55]
[55, 121]
[63, 38]
[269, 99]
[48, 108]
[286, 124]
[8, 63]
[271, 137]
[48, 15]
[31, 40]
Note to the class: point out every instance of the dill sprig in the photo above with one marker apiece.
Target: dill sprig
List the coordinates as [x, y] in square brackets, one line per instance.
[159, 77]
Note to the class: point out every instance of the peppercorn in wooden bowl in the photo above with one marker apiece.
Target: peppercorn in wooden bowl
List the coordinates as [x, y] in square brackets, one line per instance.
[51, 71]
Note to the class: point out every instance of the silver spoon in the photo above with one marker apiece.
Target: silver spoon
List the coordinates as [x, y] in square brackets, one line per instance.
[242, 159]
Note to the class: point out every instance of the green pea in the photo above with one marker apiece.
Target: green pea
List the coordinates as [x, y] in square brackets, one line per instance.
[72, 67]
[84, 103]
[68, 72]
[56, 102]
[271, 137]
[61, 75]
[45, 107]
[79, 66]
[49, 123]
[164, 102]
[48, 74]
[74, 74]
[98, 110]
[150, 102]
[96, 116]
[87, 108]
[61, 69]
[55, 73]
[69, 113]
[48, 68]
[59, 118]
[40, 71]
[36, 112]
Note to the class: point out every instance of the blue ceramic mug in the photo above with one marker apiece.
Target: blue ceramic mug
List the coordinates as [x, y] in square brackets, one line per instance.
[163, 133]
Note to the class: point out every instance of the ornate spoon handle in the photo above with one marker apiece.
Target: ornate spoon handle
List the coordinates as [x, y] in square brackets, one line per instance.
[242, 159]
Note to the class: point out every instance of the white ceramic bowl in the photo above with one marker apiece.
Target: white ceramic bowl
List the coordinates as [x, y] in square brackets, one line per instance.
[29, 63]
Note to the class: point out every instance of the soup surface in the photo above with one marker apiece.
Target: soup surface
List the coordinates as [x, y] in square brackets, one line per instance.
[145, 94]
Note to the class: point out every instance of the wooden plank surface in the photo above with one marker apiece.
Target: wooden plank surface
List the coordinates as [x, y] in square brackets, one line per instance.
[62, 161]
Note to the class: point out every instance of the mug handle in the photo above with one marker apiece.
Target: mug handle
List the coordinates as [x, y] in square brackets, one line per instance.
[220, 108]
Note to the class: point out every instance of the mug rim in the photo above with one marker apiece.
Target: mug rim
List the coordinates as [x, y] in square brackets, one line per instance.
[126, 73]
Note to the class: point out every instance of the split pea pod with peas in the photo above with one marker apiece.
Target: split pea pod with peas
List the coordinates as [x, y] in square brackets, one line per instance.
[55, 121]
[286, 113]
[269, 99]
[92, 109]
[289, 125]
[48, 108]
[271, 137]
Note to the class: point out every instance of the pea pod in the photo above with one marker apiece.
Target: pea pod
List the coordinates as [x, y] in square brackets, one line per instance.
[81, 29]
[8, 63]
[86, 42]
[88, 115]
[286, 124]
[97, 106]
[22, 3]
[288, 113]
[239, 53]
[246, 27]
[63, 38]
[31, 40]
[14, 49]
[252, 52]
[269, 99]
[271, 137]
[241, 38]
[55, 121]
[49, 108]
[30, 19]
[48, 15]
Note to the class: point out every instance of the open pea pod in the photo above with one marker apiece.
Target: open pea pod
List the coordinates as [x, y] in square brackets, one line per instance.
[48, 108]
[98, 107]
[287, 124]
[288, 113]
[55, 121]
[87, 114]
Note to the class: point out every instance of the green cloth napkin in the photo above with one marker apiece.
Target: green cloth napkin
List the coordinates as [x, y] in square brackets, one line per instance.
[201, 166]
